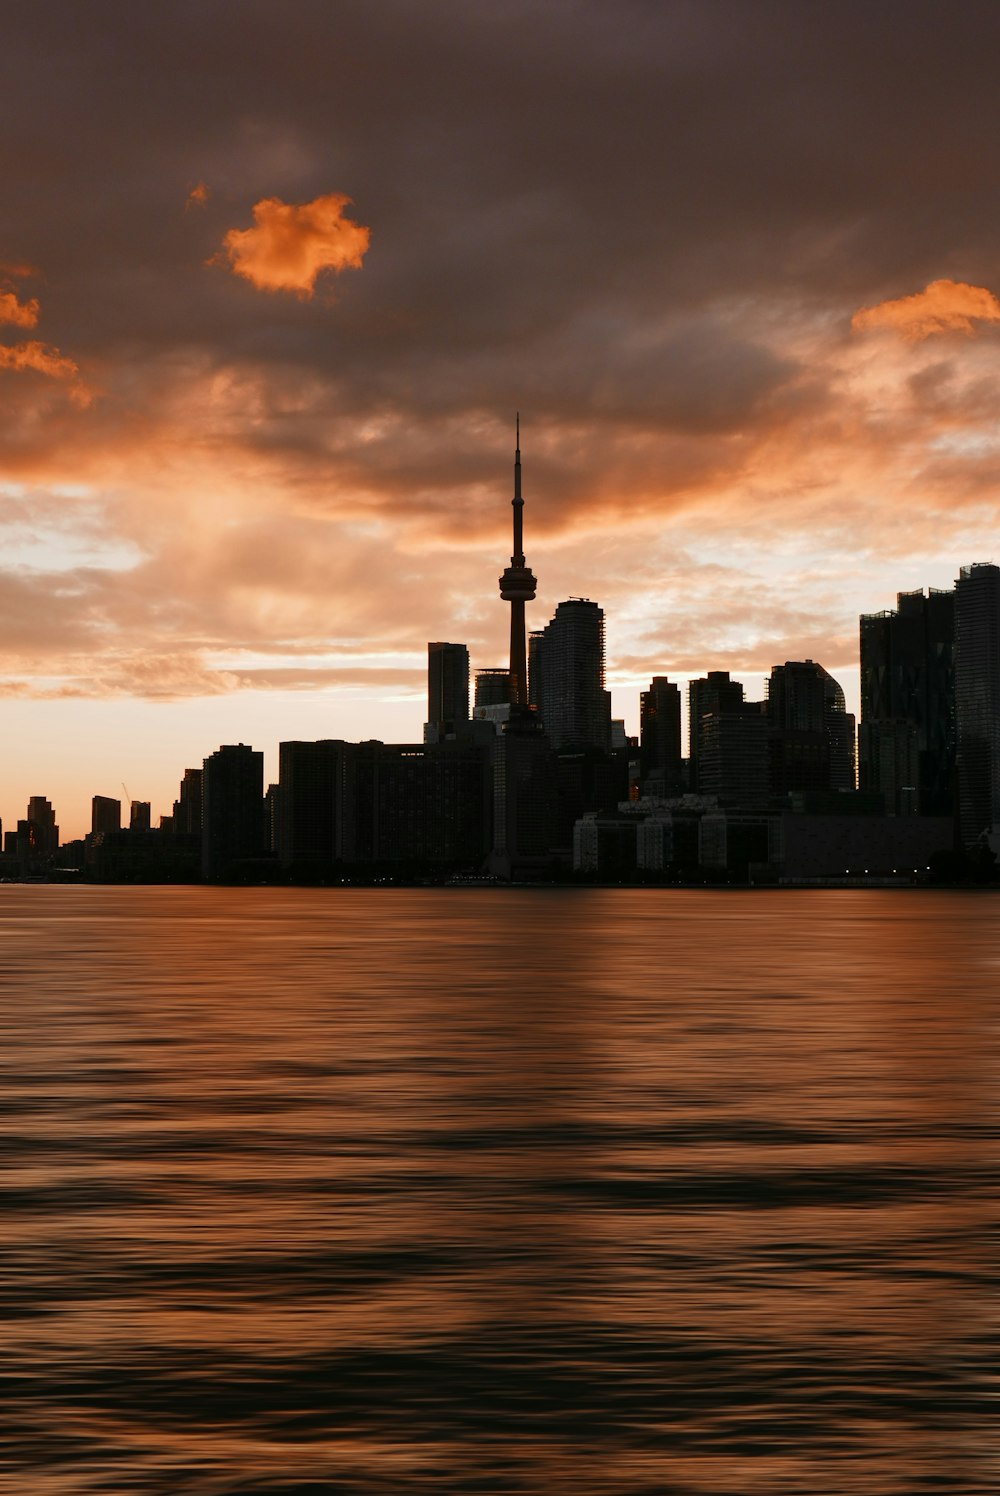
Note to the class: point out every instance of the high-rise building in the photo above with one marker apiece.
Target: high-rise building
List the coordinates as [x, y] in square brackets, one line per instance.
[423, 803]
[517, 587]
[711, 695]
[447, 689]
[43, 832]
[492, 687]
[105, 815]
[811, 732]
[733, 762]
[523, 770]
[571, 699]
[660, 737]
[140, 815]
[977, 699]
[908, 676]
[187, 807]
[315, 806]
[889, 750]
[232, 809]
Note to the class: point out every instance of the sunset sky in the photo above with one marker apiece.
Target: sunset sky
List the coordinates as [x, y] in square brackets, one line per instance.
[276, 277]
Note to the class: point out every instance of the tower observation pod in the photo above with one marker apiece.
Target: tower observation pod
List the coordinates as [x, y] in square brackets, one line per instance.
[517, 587]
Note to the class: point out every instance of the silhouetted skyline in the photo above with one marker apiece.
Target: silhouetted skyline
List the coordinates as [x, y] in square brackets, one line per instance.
[272, 291]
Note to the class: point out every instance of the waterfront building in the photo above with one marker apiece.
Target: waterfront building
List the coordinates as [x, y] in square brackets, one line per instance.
[570, 695]
[105, 815]
[447, 690]
[232, 809]
[492, 688]
[140, 815]
[525, 797]
[315, 804]
[187, 807]
[660, 737]
[908, 677]
[811, 733]
[977, 699]
[43, 833]
[729, 741]
[709, 696]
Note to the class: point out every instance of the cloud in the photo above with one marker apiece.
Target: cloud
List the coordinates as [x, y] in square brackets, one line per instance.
[198, 196]
[47, 361]
[943, 306]
[292, 245]
[18, 313]
[37, 356]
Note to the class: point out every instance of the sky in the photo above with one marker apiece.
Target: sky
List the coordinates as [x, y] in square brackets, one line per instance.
[275, 278]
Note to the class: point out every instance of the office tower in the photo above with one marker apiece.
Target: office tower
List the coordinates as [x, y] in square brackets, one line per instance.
[43, 832]
[535, 687]
[187, 807]
[842, 731]
[426, 804]
[525, 794]
[889, 750]
[105, 815]
[572, 702]
[272, 803]
[908, 677]
[232, 809]
[492, 687]
[712, 694]
[660, 737]
[977, 699]
[811, 732]
[447, 689]
[517, 587]
[315, 803]
[733, 759]
[140, 815]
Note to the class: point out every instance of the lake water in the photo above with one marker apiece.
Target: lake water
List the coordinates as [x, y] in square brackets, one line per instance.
[544, 1191]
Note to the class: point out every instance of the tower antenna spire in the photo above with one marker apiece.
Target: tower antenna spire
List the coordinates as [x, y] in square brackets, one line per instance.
[517, 585]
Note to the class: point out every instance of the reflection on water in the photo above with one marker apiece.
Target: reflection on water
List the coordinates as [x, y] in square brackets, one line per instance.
[599, 1191]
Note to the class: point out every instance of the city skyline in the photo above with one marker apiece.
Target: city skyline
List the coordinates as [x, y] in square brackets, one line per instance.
[262, 340]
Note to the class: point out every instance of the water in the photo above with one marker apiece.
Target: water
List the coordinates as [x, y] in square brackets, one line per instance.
[462, 1191]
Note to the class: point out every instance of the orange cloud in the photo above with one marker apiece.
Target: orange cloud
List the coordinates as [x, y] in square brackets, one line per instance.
[19, 313]
[291, 245]
[943, 306]
[47, 361]
[198, 196]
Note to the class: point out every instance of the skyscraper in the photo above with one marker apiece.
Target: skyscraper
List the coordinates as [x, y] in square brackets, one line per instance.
[315, 803]
[712, 694]
[517, 587]
[105, 815]
[232, 808]
[187, 807]
[492, 686]
[140, 815]
[44, 833]
[908, 682]
[977, 699]
[811, 731]
[447, 689]
[660, 736]
[571, 699]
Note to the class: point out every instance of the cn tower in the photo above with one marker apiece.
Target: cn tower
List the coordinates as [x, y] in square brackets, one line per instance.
[517, 587]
